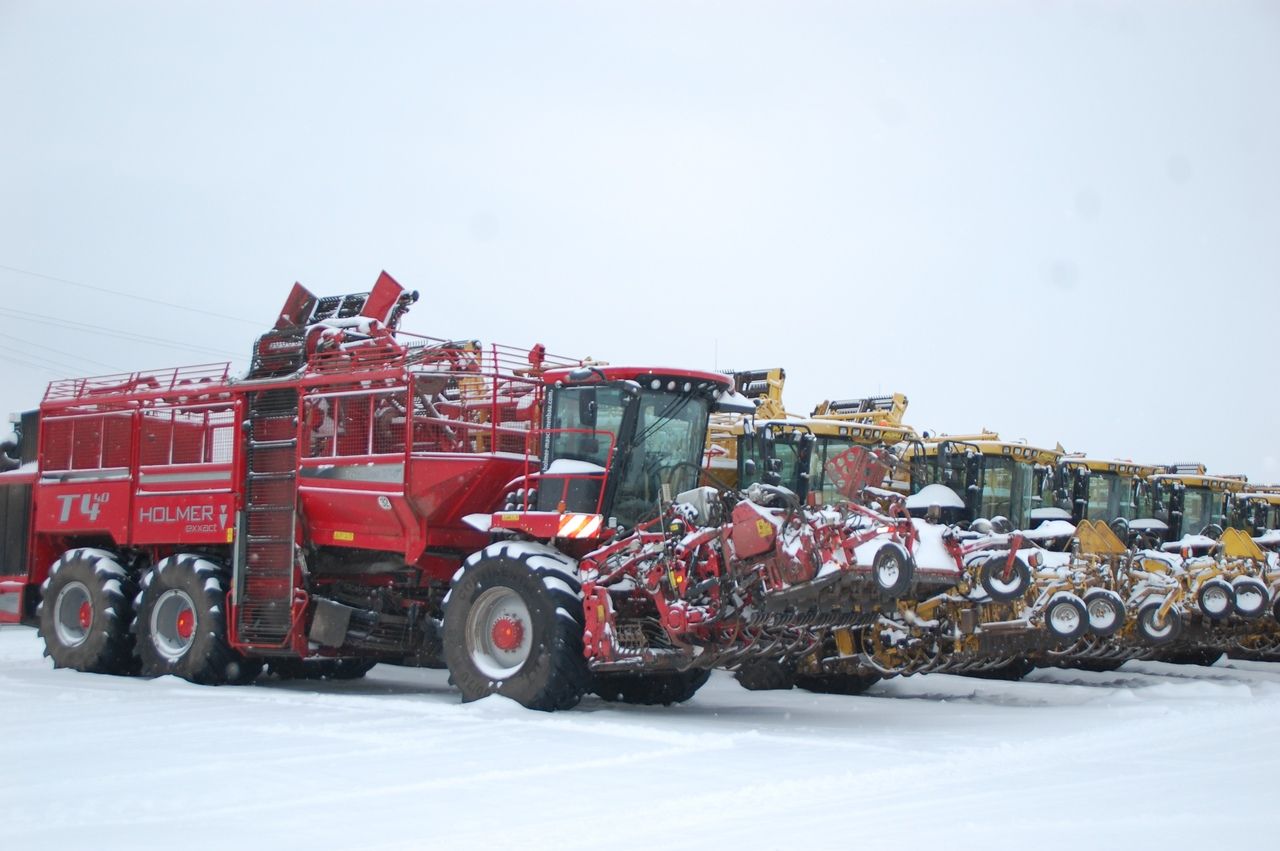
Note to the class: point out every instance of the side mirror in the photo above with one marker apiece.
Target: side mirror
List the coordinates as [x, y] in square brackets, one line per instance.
[587, 407]
[749, 467]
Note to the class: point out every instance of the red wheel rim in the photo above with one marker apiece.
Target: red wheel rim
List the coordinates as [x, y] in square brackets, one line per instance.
[85, 615]
[507, 633]
[186, 623]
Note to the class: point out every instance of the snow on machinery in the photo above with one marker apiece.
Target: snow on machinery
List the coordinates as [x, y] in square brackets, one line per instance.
[969, 601]
[736, 579]
[366, 495]
[314, 515]
[955, 573]
[1137, 501]
[305, 516]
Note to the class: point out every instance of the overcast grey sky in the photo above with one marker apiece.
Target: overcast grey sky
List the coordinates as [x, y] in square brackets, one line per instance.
[1060, 220]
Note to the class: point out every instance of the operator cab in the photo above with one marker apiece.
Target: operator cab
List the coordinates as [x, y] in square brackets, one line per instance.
[623, 442]
[993, 478]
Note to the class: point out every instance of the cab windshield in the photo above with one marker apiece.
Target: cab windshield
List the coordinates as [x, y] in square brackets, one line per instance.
[1200, 508]
[1009, 490]
[1112, 495]
[785, 449]
[664, 456]
[946, 468]
[651, 443]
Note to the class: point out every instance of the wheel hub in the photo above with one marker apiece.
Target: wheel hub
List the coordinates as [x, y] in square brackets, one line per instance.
[73, 614]
[507, 633]
[499, 632]
[186, 623]
[1249, 599]
[1215, 600]
[173, 624]
[1101, 614]
[1065, 619]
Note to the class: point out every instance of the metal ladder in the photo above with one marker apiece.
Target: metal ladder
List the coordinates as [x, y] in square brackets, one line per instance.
[265, 531]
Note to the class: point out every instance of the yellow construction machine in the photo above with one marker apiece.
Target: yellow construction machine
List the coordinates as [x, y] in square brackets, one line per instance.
[1191, 502]
[777, 448]
[993, 478]
[1114, 492]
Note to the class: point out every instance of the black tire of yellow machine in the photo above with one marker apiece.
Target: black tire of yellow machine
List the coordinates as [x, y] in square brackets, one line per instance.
[665, 687]
[837, 683]
[1100, 666]
[1159, 634]
[181, 625]
[1004, 590]
[1066, 617]
[1216, 599]
[893, 570]
[511, 631]
[1109, 610]
[1247, 590]
[86, 611]
[765, 675]
[1197, 656]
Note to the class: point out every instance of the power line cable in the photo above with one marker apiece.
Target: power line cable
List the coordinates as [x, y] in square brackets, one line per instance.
[141, 298]
[56, 363]
[111, 332]
[37, 366]
[57, 351]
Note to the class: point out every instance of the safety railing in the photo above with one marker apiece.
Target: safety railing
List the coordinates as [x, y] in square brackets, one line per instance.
[182, 380]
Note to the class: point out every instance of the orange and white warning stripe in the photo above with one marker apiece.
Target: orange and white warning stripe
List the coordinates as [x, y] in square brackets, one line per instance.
[579, 525]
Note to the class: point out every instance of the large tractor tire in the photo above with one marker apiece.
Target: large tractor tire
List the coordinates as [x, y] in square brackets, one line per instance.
[664, 688]
[86, 612]
[513, 626]
[182, 627]
[836, 683]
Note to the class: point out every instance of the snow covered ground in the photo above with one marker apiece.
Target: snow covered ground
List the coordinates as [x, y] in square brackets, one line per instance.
[1074, 760]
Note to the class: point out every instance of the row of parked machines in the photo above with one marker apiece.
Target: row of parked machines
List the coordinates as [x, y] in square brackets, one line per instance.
[547, 527]
[1108, 560]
